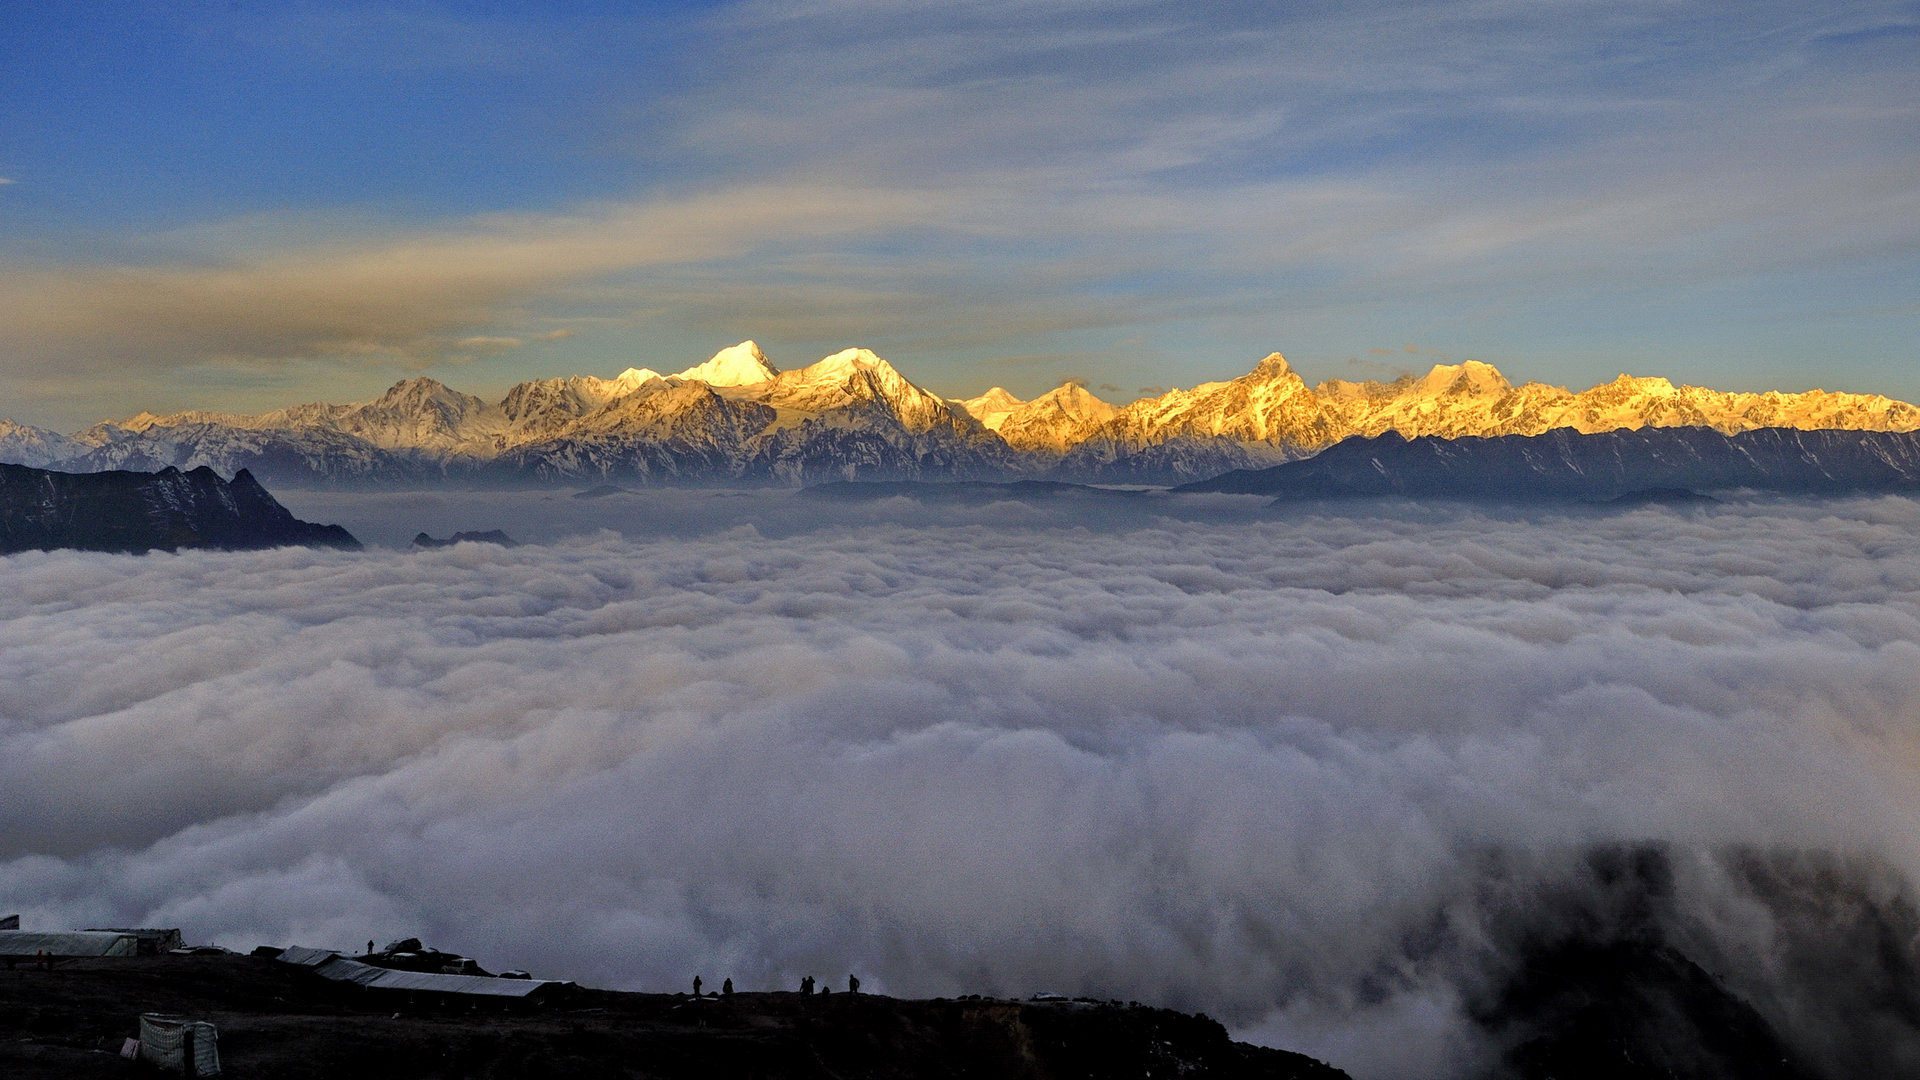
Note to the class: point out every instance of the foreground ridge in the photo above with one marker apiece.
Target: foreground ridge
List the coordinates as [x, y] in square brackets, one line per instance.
[1601, 467]
[139, 512]
[739, 419]
[282, 1019]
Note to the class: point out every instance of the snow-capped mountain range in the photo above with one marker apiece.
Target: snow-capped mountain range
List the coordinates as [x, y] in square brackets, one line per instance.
[738, 419]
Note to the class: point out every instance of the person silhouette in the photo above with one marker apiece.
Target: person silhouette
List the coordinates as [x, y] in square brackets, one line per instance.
[853, 984]
[726, 988]
[696, 986]
[806, 986]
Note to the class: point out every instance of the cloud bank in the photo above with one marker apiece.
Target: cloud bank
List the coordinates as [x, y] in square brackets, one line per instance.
[1304, 772]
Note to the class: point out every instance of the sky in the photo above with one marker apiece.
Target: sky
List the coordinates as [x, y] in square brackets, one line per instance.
[1322, 774]
[239, 206]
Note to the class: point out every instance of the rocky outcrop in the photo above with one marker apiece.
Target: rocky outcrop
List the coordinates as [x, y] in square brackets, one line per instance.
[497, 537]
[138, 512]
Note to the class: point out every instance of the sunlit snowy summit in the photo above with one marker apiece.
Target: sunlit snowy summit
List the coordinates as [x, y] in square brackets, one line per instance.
[737, 418]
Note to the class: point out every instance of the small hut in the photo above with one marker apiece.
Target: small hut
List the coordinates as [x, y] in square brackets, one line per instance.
[176, 1045]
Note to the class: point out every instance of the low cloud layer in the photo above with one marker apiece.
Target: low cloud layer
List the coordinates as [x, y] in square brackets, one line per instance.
[1303, 772]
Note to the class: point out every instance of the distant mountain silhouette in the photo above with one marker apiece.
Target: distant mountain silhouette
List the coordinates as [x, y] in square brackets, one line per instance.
[491, 536]
[137, 511]
[1600, 467]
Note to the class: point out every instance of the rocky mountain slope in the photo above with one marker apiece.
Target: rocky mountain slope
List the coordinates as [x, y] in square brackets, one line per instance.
[23, 444]
[738, 419]
[137, 512]
[1600, 467]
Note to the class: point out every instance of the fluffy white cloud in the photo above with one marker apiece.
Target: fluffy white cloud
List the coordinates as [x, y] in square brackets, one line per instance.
[1302, 771]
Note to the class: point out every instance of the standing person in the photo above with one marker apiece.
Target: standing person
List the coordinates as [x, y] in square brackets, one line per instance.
[726, 988]
[696, 986]
[806, 986]
[853, 984]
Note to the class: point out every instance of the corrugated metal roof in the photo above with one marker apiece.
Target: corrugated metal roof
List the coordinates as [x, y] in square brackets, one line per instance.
[331, 965]
[388, 979]
[162, 934]
[27, 943]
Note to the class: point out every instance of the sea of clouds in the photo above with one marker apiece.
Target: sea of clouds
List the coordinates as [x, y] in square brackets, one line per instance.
[1322, 773]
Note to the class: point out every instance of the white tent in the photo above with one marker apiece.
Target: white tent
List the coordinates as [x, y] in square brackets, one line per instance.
[17, 945]
[188, 1047]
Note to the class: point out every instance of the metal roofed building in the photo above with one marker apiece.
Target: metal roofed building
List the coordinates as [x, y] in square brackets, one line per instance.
[18, 945]
[331, 965]
[153, 939]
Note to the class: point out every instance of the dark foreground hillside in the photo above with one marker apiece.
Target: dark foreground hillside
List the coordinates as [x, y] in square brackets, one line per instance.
[1600, 467]
[278, 1020]
[136, 512]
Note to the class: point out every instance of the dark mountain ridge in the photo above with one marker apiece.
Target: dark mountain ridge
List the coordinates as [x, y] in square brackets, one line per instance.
[277, 1020]
[137, 512]
[1599, 467]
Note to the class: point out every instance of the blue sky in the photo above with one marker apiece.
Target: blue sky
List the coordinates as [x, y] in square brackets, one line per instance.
[242, 205]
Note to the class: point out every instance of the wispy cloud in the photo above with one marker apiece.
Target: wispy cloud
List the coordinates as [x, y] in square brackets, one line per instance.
[1013, 177]
[399, 297]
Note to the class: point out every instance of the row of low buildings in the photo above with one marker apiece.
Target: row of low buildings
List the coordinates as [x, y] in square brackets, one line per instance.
[190, 1047]
[17, 945]
[389, 970]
